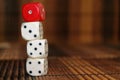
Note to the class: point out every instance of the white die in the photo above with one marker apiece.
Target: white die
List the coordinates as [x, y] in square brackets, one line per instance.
[37, 67]
[37, 48]
[32, 30]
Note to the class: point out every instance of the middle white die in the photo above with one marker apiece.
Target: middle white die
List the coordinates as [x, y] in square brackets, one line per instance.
[32, 30]
[37, 48]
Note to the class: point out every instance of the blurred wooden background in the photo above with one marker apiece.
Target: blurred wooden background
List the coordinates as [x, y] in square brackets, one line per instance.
[72, 22]
[69, 24]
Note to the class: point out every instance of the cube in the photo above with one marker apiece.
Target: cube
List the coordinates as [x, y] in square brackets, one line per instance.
[32, 30]
[37, 48]
[33, 12]
[37, 67]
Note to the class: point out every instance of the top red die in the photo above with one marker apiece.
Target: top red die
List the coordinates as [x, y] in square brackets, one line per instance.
[33, 12]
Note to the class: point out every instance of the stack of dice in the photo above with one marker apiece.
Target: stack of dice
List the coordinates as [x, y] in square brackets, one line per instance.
[32, 31]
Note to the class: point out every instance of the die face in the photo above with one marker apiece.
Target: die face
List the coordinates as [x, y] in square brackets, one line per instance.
[46, 67]
[32, 30]
[37, 48]
[42, 12]
[36, 67]
[33, 12]
[41, 31]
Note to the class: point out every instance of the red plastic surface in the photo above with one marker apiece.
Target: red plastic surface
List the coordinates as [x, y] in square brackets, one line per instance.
[33, 12]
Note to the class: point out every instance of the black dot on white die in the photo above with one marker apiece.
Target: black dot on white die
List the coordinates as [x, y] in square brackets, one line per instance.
[35, 49]
[40, 44]
[30, 62]
[30, 53]
[39, 62]
[35, 35]
[30, 72]
[39, 71]
[40, 53]
[30, 44]
[30, 31]
[25, 26]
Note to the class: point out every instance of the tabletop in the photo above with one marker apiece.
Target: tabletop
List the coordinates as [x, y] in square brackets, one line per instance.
[65, 63]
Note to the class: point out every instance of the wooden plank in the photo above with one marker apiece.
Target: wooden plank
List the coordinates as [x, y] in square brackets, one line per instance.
[86, 22]
[73, 22]
[4, 68]
[2, 16]
[22, 70]
[97, 21]
[116, 23]
[9, 71]
[108, 20]
[65, 67]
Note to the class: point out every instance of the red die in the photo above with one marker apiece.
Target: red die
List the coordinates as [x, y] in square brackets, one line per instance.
[33, 12]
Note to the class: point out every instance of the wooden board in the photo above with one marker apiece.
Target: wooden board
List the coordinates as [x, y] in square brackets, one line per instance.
[65, 63]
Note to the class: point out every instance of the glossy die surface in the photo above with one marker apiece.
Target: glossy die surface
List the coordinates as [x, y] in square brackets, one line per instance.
[33, 12]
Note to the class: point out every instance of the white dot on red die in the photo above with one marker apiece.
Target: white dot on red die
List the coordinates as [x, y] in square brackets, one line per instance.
[30, 12]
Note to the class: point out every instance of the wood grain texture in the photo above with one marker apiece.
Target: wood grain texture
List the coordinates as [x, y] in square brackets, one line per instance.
[116, 23]
[97, 22]
[66, 63]
[86, 22]
[70, 22]
[108, 20]
[74, 22]
[2, 16]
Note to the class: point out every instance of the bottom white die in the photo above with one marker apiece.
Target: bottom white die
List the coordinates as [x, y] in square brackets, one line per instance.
[37, 67]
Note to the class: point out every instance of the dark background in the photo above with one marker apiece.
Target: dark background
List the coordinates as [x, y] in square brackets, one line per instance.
[68, 22]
